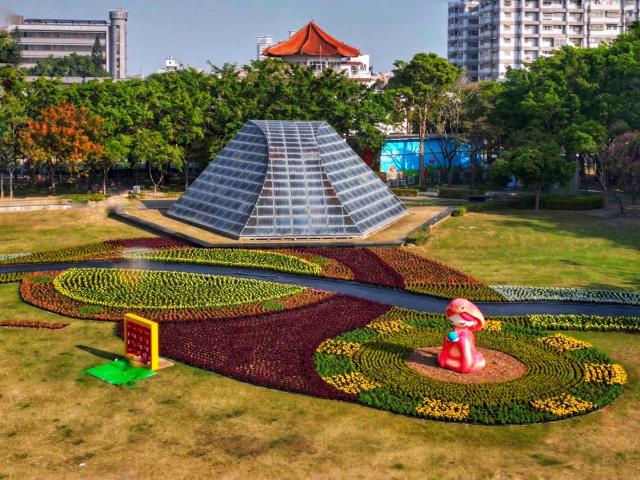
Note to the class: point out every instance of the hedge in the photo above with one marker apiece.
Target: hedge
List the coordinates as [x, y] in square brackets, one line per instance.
[406, 192]
[459, 192]
[562, 202]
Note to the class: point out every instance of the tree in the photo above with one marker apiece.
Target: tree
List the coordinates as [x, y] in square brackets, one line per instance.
[538, 164]
[9, 48]
[72, 65]
[97, 55]
[151, 148]
[619, 165]
[179, 102]
[63, 135]
[420, 87]
[116, 154]
[12, 118]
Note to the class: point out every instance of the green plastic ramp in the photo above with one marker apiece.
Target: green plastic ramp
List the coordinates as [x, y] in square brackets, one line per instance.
[120, 372]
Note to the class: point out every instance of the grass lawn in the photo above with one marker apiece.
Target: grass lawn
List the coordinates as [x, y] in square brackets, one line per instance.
[187, 423]
[550, 248]
[45, 230]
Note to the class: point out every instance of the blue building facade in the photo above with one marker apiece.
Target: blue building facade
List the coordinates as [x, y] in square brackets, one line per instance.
[403, 155]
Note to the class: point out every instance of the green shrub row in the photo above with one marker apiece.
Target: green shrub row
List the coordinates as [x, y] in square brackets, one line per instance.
[405, 191]
[459, 192]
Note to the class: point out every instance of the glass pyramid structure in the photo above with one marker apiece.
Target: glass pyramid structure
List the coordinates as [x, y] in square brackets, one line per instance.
[288, 180]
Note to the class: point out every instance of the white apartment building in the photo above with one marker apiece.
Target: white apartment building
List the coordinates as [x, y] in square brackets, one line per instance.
[487, 37]
[41, 38]
[264, 42]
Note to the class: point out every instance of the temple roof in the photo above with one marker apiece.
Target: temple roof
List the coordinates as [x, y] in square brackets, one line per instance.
[311, 40]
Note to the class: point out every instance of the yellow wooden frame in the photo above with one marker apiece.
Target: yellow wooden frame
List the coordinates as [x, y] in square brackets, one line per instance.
[153, 326]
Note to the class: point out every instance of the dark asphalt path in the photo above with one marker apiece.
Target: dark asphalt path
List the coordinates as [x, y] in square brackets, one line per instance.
[389, 296]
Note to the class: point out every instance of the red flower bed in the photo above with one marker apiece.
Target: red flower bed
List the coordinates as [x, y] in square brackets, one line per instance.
[38, 290]
[274, 350]
[365, 265]
[420, 270]
[35, 324]
[153, 242]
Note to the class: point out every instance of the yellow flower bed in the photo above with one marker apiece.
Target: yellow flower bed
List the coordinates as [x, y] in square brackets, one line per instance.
[563, 405]
[604, 373]
[390, 326]
[492, 326]
[563, 343]
[351, 382]
[443, 410]
[337, 347]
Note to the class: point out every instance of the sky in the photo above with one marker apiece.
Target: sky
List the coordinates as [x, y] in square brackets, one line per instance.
[220, 31]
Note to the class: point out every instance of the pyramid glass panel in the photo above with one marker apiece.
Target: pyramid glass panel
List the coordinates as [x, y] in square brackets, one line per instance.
[285, 179]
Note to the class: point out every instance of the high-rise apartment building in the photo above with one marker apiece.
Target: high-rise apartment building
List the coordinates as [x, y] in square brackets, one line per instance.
[264, 42]
[42, 38]
[487, 37]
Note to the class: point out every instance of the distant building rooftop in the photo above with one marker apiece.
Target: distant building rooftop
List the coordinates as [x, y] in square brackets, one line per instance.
[50, 21]
[311, 40]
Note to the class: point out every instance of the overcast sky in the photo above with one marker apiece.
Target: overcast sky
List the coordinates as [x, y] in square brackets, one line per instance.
[195, 31]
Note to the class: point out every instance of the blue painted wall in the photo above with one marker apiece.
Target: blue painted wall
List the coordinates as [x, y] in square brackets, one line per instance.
[403, 155]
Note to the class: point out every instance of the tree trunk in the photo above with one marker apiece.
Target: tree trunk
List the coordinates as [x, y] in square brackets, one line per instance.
[538, 192]
[52, 172]
[11, 173]
[619, 200]
[1, 183]
[105, 173]
[422, 136]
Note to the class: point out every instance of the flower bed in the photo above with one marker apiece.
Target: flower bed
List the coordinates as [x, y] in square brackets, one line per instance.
[38, 290]
[164, 290]
[233, 257]
[274, 350]
[93, 251]
[11, 277]
[330, 267]
[365, 266]
[565, 377]
[524, 294]
[578, 322]
[34, 324]
[151, 242]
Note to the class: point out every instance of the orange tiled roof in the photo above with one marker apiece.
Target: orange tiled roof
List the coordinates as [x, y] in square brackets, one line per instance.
[311, 40]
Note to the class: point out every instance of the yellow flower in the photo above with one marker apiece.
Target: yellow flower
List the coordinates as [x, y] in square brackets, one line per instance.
[563, 343]
[351, 382]
[389, 326]
[337, 347]
[563, 405]
[441, 409]
[492, 326]
[605, 373]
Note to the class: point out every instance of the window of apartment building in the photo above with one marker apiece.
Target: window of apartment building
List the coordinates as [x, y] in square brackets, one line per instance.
[596, 28]
[612, 27]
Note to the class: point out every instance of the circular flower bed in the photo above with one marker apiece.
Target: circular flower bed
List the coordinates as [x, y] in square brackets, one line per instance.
[164, 290]
[564, 376]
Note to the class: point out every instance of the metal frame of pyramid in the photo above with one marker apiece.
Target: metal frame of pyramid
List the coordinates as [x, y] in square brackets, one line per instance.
[288, 180]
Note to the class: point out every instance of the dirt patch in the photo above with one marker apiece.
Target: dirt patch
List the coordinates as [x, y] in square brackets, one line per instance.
[500, 367]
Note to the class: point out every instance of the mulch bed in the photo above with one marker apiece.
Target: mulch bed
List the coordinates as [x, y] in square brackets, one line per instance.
[500, 367]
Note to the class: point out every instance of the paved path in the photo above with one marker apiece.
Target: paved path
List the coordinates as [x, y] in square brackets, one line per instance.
[389, 296]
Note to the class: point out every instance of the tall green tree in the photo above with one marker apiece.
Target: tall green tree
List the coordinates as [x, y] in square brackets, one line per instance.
[179, 103]
[97, 55]
[9, 48]
[151, 148]
[420, 88]
[12, 120]
[538, 163]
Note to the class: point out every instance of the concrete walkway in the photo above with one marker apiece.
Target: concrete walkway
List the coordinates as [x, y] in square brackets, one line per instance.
[398, 298]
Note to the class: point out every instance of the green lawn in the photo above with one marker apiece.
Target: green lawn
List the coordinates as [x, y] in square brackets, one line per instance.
[542, 249]
[187, 423]
[58, 422]
[47, 230]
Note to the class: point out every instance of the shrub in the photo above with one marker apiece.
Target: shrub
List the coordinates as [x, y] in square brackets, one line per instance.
[419, 236]
[459, 211]
[562, 202]
[84, 197]
[459, 192]
[406, 192]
